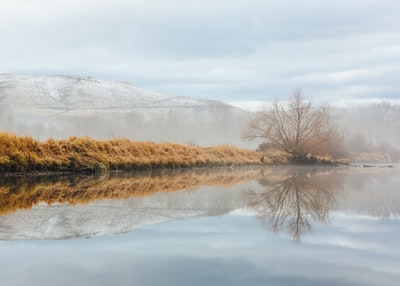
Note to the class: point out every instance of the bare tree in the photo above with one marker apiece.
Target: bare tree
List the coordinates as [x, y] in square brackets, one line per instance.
[298, 127]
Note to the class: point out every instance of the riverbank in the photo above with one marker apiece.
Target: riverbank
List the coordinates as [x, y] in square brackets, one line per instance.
[23, 155]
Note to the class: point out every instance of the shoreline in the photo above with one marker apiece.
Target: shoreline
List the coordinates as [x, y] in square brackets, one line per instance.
[21, 156]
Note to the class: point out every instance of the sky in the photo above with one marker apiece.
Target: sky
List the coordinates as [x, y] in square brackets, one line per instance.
[243, 52]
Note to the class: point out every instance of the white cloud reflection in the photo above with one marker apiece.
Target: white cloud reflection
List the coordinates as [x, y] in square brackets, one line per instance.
[228, 250]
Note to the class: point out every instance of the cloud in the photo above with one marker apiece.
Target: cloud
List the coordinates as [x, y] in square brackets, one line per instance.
[227, 50]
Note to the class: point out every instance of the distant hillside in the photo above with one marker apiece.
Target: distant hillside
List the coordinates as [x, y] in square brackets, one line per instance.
[61, 106]
[66, 94]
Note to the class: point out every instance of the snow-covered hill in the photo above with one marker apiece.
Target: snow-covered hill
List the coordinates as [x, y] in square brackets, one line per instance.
[60, 106]
[68, 93]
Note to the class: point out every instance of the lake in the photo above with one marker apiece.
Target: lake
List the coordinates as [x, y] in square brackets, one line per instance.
[222, 226]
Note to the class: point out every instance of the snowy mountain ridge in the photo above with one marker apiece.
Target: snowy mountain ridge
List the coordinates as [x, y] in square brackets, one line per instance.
[78, 93]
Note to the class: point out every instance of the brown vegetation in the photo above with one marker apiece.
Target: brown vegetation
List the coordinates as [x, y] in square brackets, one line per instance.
[297, 128]
[24, 154]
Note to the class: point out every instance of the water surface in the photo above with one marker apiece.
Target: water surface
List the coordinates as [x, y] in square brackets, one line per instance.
[274, 226]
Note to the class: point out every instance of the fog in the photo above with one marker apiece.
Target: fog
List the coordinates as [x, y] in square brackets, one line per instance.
[217, 125]
[373, 129]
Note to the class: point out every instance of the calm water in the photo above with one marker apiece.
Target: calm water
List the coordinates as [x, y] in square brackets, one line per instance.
[272, 226]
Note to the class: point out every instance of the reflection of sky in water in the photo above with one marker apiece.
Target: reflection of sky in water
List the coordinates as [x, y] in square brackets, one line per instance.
[226, 250]
[352, 239]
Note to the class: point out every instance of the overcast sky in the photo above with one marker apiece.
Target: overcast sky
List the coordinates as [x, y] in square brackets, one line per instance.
[231, 50]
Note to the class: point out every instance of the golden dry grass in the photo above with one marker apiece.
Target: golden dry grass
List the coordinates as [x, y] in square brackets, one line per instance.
[24, 154]
[372, 157]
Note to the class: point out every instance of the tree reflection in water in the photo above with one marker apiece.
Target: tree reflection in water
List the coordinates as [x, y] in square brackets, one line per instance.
[295, 198]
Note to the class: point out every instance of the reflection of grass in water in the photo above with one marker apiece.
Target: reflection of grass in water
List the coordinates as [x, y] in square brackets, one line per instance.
[25, 192]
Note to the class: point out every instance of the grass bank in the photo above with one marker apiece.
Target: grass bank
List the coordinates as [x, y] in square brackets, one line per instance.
[25, 154]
